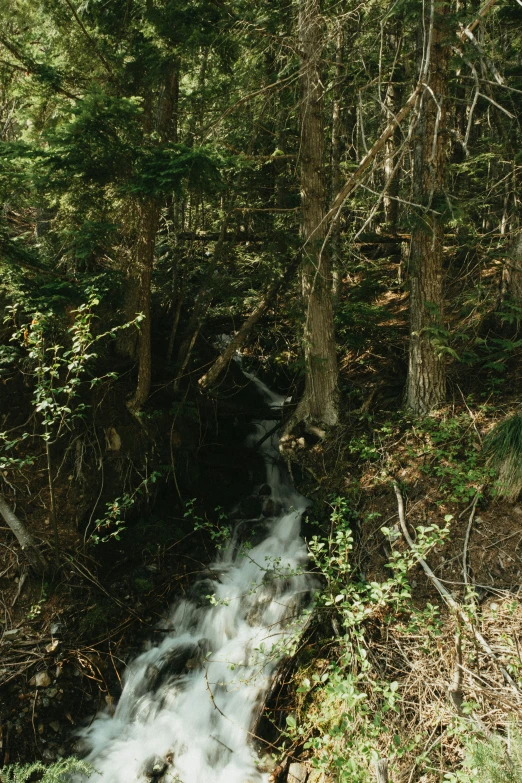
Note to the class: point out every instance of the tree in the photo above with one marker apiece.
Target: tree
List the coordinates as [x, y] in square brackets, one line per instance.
[320, 403]
[426, 385]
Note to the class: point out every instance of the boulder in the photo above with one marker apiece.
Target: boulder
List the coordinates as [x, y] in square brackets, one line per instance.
[297, 773]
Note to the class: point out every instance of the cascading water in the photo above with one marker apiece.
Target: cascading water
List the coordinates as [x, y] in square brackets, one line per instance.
[188, 706]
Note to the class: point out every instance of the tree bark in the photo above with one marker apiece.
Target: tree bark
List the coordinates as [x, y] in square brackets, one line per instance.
[320, 401]
[392, 102]
[24, 538]
[511, 287]
[148, 225]
[146, 242]
[426, 385]
[336, 156]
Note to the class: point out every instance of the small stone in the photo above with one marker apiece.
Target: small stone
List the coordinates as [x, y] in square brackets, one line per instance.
[45, 701]
[41, 728]
[56, 629]
[51, 692]
[52, 646]
[54, 725]
[41, 680]
[297, 773]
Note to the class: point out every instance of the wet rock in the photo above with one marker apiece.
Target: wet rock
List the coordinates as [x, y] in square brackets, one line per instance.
[51, 692]
[265, 490]
[253, 532]
[297, 773]
[41, 680]
[155, 767]
[272, 509]
[55, 725]
[199, 592]
[180, 660]
[252, 507]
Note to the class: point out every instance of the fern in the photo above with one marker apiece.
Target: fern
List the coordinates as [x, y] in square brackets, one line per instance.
[58, 772]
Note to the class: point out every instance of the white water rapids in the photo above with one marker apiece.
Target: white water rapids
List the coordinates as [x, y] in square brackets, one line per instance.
[189, 705]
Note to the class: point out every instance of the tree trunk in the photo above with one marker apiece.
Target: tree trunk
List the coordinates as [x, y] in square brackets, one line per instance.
[393, 103]
[511, 287]
[24, 538]
[336, 157]
[426, 386]
[320, 402]
[146, 242]
[148, 225]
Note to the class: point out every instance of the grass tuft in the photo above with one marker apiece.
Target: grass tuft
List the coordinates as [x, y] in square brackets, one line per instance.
[503, 450]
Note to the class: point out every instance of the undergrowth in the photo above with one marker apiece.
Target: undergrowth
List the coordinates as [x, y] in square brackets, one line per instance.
[375, 682]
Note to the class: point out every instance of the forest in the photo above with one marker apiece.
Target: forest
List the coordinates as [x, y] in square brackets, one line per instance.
[261, 434]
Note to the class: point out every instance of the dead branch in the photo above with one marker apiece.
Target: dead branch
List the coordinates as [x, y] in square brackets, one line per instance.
[466, 538]
[24, 538]
[240, 338]
[448, 598]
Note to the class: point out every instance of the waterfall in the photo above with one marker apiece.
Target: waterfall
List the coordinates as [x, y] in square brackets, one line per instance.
[189, 705]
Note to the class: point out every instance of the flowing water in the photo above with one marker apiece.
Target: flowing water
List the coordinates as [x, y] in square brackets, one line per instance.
[189, 705]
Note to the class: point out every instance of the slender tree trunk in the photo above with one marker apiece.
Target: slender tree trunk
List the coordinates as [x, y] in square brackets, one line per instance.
[148, 226]
[426, 386]
[393, 103]
[336, 157]
[320, 402]
[511, 285]
[146, 243]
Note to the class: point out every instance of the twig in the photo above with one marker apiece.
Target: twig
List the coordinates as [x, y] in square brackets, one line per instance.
[21, 583]
[466, 537]
[446, 595]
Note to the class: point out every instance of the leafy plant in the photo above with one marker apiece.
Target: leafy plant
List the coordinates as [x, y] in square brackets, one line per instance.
[112, 524]
[218, 529]
[346, 708]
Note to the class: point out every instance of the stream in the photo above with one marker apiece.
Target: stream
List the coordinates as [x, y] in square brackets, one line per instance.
[190, 704]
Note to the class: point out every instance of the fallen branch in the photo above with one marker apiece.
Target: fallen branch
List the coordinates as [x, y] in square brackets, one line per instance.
[466, 538]
[448, 598]
[241, 336]
[24, 538]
